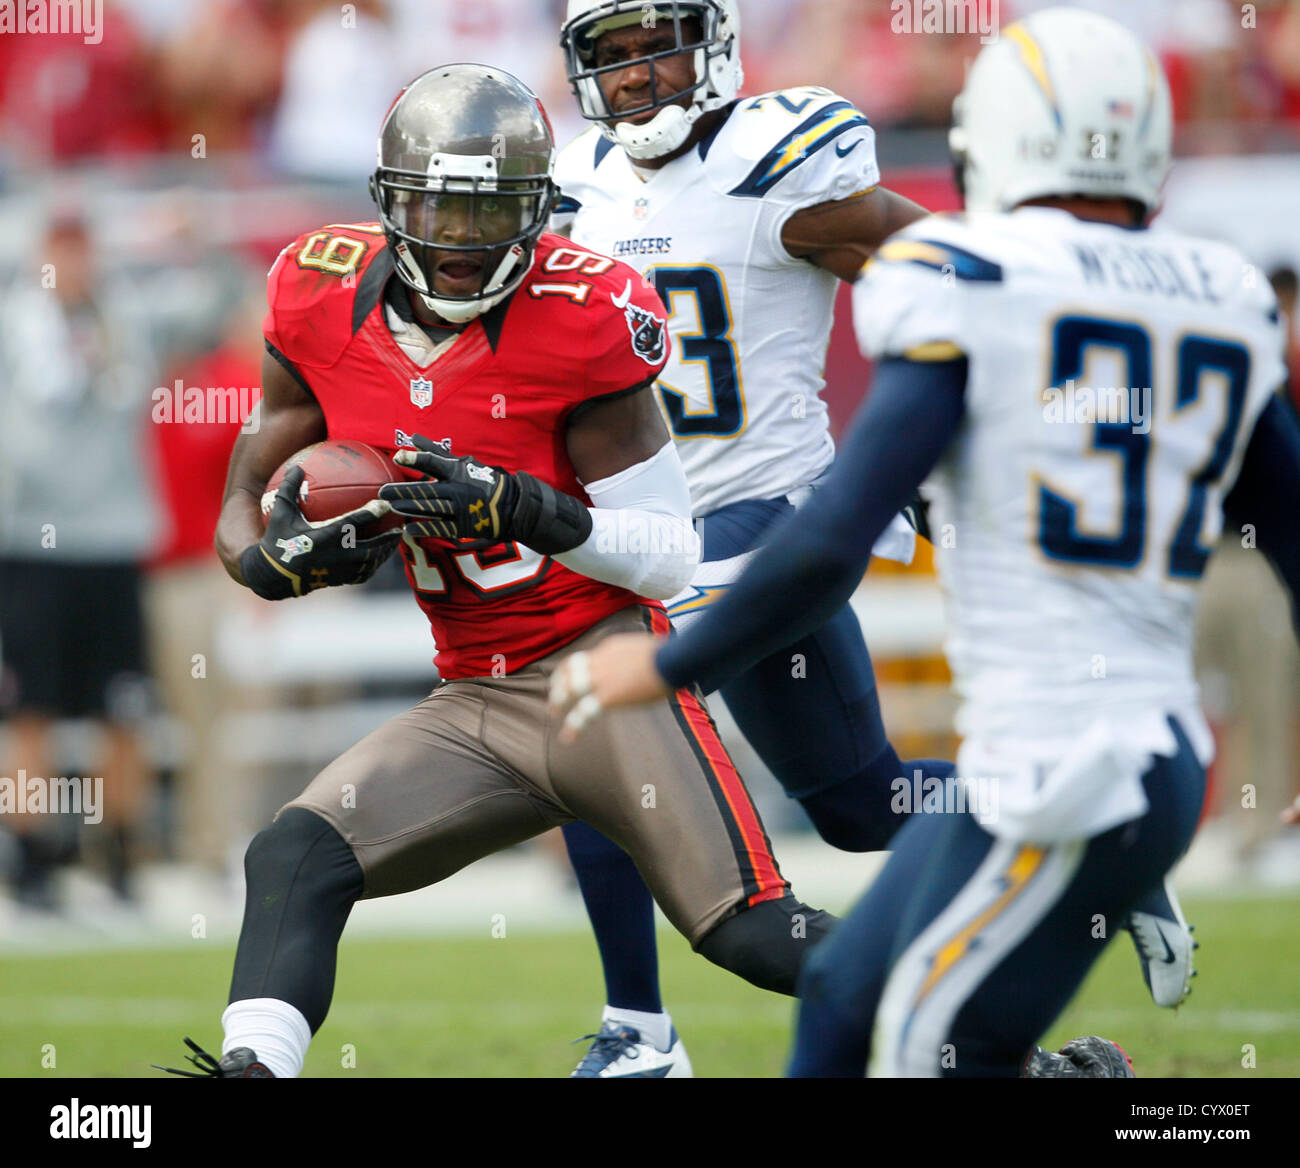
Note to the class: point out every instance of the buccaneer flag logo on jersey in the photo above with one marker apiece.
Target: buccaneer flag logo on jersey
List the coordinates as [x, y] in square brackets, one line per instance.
[649, 337]
[649, 340]
[421, 392]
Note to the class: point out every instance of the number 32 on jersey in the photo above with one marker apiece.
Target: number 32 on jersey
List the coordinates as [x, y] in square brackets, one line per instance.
[1202, 367]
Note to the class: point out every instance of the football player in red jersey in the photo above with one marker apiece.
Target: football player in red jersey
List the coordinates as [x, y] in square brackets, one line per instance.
[553, 510]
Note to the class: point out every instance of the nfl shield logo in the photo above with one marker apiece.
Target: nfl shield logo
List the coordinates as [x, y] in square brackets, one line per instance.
[421, 392]
[641, 208]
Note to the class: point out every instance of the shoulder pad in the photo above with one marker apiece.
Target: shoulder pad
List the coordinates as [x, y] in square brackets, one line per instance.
[771, 140]
[320, 289]
[618, 335]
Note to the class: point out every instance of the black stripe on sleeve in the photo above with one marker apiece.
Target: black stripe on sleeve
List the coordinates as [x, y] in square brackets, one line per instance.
[290, 368]
[583, 406]
[372, 284]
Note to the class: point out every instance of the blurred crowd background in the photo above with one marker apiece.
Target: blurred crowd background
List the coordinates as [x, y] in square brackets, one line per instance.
[297, 85]
[146, 183]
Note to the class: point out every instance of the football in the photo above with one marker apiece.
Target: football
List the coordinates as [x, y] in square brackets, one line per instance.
[338, 477]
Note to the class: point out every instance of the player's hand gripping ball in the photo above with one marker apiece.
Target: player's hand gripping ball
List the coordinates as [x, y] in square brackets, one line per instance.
[338, 477]
[302, 552]
[460, 499]
[620, 671]
[464, 499]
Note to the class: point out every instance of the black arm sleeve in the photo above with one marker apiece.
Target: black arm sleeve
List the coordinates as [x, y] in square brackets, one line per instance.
[816, 558]
[1267, 495]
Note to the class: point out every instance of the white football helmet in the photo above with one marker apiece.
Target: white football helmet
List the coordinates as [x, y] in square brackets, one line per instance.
[718, 74]
[1065, 102]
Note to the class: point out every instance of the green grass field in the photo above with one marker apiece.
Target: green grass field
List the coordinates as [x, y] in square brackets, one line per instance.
[481, 1007]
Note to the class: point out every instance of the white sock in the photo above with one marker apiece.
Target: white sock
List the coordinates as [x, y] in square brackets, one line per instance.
[656, 1028]
[277, 1033]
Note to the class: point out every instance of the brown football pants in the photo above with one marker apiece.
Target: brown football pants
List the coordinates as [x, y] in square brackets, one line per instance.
[478, 766]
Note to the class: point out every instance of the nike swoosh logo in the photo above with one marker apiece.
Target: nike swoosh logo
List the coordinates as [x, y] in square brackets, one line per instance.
[1168, 958]
[845, 153]
[622, 301]
[1157, 926]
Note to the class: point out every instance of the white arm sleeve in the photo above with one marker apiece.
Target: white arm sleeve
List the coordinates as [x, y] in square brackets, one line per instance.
[642, 538]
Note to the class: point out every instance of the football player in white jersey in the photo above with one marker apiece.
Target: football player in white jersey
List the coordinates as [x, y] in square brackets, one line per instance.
[745, 215]
[1097, 400]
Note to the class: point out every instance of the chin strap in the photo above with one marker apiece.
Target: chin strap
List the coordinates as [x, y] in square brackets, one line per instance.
[460, 311]
[663, 134]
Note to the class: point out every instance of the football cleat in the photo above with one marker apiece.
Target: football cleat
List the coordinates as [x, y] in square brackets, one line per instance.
[1164, 944]
[619, 1052]
[1080, 1058]
[240, 1063]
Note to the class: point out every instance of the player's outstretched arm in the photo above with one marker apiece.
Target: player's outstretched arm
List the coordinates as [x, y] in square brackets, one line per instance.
[810, 567]
[840, 236]
[290, 418]
[1266, 497]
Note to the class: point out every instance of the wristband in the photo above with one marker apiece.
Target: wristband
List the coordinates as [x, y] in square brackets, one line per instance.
[265, 577]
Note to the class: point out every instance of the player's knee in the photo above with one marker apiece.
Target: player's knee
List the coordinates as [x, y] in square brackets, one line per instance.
[848, 823]
[859, 813]
[300, 850]
[768, 943]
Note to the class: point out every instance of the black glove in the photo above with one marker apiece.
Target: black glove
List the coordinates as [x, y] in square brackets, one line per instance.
[294, 557]
[465, 500]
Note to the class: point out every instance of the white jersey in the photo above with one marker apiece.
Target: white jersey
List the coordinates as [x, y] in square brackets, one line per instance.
[749, 322]
[1115, 377]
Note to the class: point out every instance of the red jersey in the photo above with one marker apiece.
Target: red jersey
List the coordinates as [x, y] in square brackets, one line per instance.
[193, 459]
[580, 327]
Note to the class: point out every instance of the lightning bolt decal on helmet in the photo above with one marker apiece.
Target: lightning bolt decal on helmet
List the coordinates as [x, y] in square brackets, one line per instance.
[1066, 102]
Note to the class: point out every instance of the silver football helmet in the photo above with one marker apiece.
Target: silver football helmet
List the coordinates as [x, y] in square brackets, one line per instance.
[464, 186]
